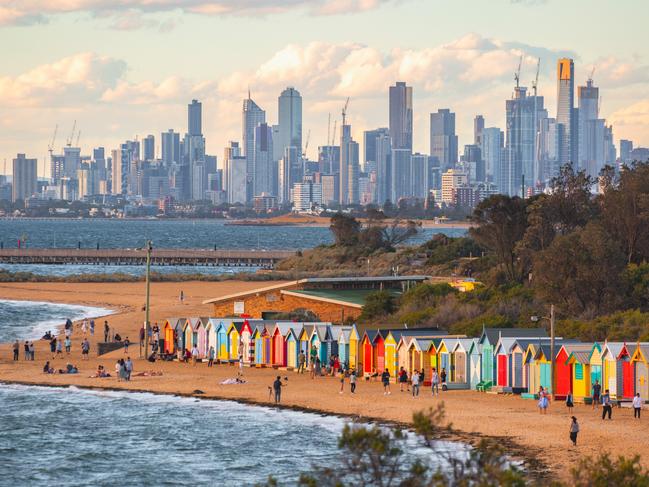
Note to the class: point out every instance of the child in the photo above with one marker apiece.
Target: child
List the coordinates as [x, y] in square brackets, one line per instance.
[352, 381]
[569, 402]
[574, 430]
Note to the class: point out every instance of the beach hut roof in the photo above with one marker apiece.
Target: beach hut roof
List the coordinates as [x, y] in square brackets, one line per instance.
[493, 334]
[322, 332]
[371, 335]
[465, 343]
[284, 327]
[581, 356]
[421, 344]
[171, 321]
[575, 347]
[337, 331]
[642, 349]
[180, 324]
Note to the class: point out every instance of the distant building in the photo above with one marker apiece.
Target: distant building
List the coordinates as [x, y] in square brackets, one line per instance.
[626, 146]
[252, 116]
[401, 116]
[383, 169]
[25, 178]
[235, 174]
[290, 119]
[493, 145]
[264, 202]
[330, 190]
[566, 112]
[306, 196]
[194, 118]
[451, 180]
[148, 148]
[349, 167]
[370, 138]
[478, 128]
[170, 147]
[443, 140]
[264, 165]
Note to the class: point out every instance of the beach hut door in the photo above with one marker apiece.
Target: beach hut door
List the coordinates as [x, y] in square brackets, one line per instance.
[502, 370]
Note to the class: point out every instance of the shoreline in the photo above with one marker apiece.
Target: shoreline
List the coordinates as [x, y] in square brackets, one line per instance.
[514, 422]
[532, 466]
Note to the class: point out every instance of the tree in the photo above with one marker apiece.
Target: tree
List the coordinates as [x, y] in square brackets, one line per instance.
[377, 304]
[502, 221]
[346, 229]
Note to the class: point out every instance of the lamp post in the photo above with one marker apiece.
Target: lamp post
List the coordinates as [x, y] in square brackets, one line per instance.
[551, 319]
[149, 248]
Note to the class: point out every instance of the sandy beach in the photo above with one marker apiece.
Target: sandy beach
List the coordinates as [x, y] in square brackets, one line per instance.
[541, 440]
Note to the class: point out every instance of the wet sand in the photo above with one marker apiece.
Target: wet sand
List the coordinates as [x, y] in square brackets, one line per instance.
[541, 440]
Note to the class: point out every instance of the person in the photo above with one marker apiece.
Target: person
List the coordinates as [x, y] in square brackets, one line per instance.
[47, 369]
[421, 377]
[118, 370]
[415, 383]
[314, 354]
[16, 350]
[352, 381]
[336, 365]
[574, 430]
[31, 351]
[68, 345]
[85, 349]
[84, 327]
[403, 379]
[240, 360]
[92, 328]
[637, 405]
[318, 366]
[53, 346]
[211, 355]
[117, 337]
[106, 331]
[277, 388]
[142, 336]
[443, 377]
[385, 379]
[126, 344]
[597, 391]
[128, 368]
[301, 361]
[434, 382]
[570, 403]
[607, 405]
[59, 347]
[71, 369]
[182, 296]
[26, 348]
[68, 327]
[194, 355]
[342, 381]
[543, 401]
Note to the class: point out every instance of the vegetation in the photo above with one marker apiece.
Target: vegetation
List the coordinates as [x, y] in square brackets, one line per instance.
[377, 456]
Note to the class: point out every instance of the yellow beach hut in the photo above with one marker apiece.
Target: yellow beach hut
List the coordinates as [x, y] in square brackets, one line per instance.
[615, 359]
[354, 339]
[640, 361]
[391, 362]
[419, 356]
[403, 358]
[579, 362]
[596, 366]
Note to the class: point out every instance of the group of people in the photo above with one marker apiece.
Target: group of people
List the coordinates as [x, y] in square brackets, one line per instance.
[28, 348]
[124, 369]
[69, 369]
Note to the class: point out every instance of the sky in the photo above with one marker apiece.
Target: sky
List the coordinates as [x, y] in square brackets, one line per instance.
[125, 68]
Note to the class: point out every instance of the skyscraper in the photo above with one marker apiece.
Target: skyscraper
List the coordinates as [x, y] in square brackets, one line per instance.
[383, 168]
[369, 146]
[419, 176]
[252, 116]
[592, 130]
[566, 113]
[401, 116]
[349, 167]
[443, 141]
[493, 142]
[626, 146]
[478, 127]
[264, 165]
[194, 118]
[170, 147]
[290, 119]
[149, 148]
[24, 178]
[234, 173]
[401, 174]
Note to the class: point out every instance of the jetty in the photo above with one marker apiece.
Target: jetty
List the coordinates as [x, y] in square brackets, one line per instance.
[159, 257]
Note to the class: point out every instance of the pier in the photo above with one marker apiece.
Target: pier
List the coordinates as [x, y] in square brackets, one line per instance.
[159, 257]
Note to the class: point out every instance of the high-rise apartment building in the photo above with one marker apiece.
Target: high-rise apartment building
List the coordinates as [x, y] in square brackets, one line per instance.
[170, 147]
[252, 116]
[349, 167]
[290, 119]
[401, 116]
[566, 112]
[264, 165]
[383, 169]
[24, 178]
[369, 147]
[419, 176]
[626, 146]
[234, 173]
[451, 180]
[443, 141]
[194, 118]
[401, 174]
[493, 144]
[478, 128]
[148, 148]
[592, 153]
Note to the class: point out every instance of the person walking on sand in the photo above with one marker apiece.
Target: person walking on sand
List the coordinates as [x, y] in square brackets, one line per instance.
[597, 392]
[84, 327]
[385, 379]
[194, 355]
[637, 405]
[574, 430]
[181, 297]
[342, 381]
[92, 328]
[443, 377]
[127, 342]
[570, 403]
[59, 347]
[543, 401]
[607, 405]
[277, 388]
[106, 331]
[53, 347]
[434, 382]
[118, 371]
[240, 362]
[211, 354]
[318, 366]
[142, 336]
[68, 345]
[16, 348]
[85, 349]
[26, 348]
[352, 381]
[403, 379]
[415, 383]
[301, 361]
[128, 368]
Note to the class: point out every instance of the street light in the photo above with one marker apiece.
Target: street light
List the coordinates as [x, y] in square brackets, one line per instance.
[149, 248]
[551, 320]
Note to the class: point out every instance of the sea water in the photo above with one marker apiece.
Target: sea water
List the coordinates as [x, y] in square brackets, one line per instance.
[29, 320]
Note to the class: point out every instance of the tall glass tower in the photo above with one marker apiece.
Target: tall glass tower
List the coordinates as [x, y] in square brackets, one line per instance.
[566, 113]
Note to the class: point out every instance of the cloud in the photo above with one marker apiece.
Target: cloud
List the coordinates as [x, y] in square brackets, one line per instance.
[132, 14]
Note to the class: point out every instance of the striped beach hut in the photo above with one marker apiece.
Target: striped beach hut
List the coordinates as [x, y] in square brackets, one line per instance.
[279, 344]
[258, 333]
[640, 361]
[247, 344]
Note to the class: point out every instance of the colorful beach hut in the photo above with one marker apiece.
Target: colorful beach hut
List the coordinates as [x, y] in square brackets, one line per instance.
[563, 370]
[354, 353]
[537, 364]
[234, 340]
[419, 357]
[390, 353]
[580, 363]
[475, 362]
[460, 363]
[279, 355]
[304, 338]
[617, 370]
[191, 336]
[292, 348]
[247, 344]
[640, 362]
[367, 352]
[343, 345]
[378, 349]
[167, 333]
[258, 334]
[179, 330]
[403, 357]
[444, 356]
[595, 366]
[321, 340]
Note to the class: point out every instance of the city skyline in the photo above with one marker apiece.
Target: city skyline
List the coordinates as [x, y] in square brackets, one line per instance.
[468, 70]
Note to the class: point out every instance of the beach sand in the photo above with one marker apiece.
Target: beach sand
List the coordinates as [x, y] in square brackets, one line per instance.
[541, 440]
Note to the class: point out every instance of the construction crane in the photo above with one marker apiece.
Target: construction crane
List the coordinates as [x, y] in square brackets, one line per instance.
[78, 136]
[50, 147]
[345, 111]
[535, 84]
[69, 141]
[333, 137]
[592, 73]
[328, 128]
[517, 74]
[306, 144]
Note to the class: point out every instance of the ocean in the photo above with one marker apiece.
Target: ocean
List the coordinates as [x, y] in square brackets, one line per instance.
[29, 320]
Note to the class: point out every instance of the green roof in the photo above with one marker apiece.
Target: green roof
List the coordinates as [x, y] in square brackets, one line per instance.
[353, 296]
